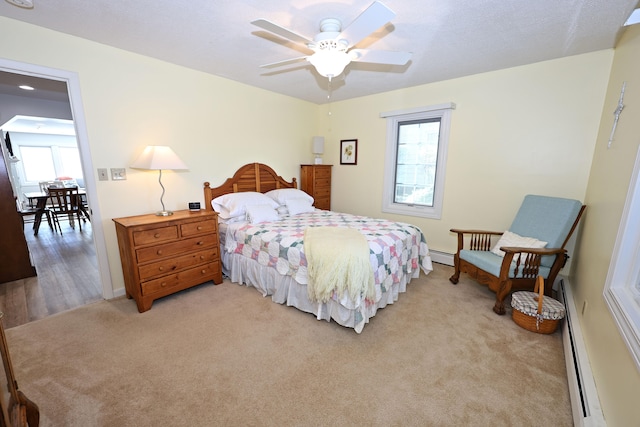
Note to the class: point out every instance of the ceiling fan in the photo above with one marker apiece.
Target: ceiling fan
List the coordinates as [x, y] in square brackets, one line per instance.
[331, 50]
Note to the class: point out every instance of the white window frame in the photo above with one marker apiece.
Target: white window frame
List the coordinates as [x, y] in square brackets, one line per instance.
[621, 291]
[394, 118]
[55, 144]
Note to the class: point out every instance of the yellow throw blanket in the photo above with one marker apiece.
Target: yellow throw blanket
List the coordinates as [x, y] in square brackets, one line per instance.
[337, 260]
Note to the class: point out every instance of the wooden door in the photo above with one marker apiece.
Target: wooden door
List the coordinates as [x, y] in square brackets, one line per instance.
[15, 262]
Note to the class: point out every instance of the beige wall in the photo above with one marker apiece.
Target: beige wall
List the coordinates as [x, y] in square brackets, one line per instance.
[616, 376]
[529, 129]
[130, 101]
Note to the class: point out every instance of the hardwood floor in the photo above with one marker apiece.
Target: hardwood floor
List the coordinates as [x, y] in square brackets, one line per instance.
[67, 275]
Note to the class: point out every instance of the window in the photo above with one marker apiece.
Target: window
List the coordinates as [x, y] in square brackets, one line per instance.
[622, 287]
[45, 157]
[415, 160]
[37, 163]
[70, 164]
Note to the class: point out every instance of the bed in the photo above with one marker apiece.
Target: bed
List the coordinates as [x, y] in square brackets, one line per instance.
[263, 222]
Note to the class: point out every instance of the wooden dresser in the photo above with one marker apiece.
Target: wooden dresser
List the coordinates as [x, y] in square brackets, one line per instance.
[315, 180]
[162, 255]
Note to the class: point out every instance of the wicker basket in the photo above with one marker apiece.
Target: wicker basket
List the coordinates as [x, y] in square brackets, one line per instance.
[535, 312]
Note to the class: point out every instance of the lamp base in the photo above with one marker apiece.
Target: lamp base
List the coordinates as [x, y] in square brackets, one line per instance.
[164, 213]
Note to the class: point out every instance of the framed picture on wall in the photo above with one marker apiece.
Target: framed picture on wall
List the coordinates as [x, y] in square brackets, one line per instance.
[349, 152]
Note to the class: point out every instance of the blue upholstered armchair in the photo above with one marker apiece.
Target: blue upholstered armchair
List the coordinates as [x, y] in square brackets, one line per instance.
[533, 246]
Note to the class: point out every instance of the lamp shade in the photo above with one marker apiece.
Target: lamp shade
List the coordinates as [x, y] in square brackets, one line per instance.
[318, 148]
[318, 144]
[158, 157]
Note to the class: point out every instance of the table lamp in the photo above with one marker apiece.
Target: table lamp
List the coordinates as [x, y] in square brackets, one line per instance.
[318, 149]
[159, 157]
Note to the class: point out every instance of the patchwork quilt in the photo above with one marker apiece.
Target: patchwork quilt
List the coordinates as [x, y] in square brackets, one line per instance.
[396, 250]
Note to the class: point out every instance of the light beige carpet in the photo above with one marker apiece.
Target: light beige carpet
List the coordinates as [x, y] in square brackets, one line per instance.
[224, 355]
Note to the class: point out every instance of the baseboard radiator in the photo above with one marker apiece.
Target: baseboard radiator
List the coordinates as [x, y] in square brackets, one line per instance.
[585, 403]
[441, 257]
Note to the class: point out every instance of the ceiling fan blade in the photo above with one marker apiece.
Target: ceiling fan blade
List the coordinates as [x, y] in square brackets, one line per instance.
[372, 18]
[380, 56]
[284, 62]
[281, 31]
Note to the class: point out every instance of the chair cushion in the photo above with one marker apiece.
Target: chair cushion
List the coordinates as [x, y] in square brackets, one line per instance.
[546, 218]
[527, 303]
[491, 263]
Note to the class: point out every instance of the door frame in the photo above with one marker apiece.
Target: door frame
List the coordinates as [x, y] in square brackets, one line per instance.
[77, 112]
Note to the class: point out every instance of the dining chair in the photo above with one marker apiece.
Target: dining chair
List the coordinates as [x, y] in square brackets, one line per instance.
[45, 185]
[65, 204]
[33, 214]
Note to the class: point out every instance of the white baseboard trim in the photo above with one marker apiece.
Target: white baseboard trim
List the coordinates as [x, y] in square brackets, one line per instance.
[585, 402]
[442, 258]
[119, 293]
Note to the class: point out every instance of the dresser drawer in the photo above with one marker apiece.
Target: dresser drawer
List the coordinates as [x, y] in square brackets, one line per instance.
[321, 172]
[196, 228]
[182, 279]
[176, 248]
[322, 193]
[159, 268]
[155, 235]
[322, 203]
[322, 183]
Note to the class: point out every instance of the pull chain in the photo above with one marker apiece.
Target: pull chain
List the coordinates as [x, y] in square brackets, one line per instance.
[329, 96]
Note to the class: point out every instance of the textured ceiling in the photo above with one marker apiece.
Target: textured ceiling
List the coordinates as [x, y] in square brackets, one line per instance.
[448, 38]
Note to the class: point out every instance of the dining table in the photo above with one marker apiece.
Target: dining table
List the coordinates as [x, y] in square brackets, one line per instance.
[38, 200]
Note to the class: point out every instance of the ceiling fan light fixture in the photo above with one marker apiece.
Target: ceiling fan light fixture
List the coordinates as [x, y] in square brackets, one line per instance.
[329, 63]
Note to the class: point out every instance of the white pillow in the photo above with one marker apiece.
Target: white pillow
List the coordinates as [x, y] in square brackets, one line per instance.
[281, 195]
[515, 240]
[223, 213]
[261, 213]
[235, 204]
[298, 206]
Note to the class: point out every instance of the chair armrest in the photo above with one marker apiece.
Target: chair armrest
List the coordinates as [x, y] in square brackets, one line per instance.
[480, 240]
[536, 251]
[459, 231]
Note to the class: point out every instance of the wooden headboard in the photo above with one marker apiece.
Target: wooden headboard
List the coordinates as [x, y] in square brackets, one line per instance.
[250, 177]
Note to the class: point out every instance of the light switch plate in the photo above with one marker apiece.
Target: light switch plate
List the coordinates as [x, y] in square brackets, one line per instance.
[118, 174]
[102, 174]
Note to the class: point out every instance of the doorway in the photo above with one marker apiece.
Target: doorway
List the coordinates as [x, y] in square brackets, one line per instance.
[69, 80]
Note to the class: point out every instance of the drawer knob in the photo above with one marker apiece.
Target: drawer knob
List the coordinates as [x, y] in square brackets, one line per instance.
[200, 243]
[156, 235]
[199, 227]
[163, 284]
[202, 257]
[204, 271]
[161, 268]
[159, 252]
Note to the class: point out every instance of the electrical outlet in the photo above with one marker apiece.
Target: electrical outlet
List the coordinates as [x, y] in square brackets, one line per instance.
[102, 174]
[118, 174]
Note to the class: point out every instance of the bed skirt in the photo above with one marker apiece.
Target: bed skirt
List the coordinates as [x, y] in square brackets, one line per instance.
[285, 290]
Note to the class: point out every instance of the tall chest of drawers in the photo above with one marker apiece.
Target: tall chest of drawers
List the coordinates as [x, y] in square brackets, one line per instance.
[163, 255]
[315, 180]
